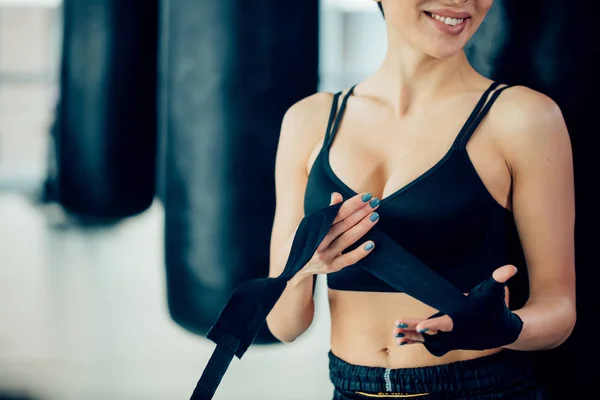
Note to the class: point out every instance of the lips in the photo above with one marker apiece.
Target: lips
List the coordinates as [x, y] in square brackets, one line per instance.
[448, 22]
[449, 13]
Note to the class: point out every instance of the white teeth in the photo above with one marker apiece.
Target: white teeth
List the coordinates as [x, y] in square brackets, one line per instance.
[447, 20]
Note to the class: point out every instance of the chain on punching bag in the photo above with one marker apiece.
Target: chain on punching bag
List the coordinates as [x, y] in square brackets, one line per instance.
[229, 70]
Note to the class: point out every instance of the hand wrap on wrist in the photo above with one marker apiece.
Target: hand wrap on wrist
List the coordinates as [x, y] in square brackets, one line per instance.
[484, 323]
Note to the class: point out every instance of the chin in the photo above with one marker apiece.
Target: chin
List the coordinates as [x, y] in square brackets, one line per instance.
[442, 51]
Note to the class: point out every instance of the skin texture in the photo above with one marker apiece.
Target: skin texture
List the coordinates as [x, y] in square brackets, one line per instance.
[398, 123]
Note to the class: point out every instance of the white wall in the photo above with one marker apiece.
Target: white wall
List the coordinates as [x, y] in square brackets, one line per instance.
[352, 42]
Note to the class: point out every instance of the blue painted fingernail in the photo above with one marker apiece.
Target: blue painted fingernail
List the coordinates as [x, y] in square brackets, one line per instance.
[366, 197]
[400, 335]
[369, 246]
[402, 344]
[402, 325]
[374, 203]
[423, 330]
[374, 217]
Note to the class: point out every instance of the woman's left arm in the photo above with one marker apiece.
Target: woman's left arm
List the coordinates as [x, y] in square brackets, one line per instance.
[535, 143]
[538, 151]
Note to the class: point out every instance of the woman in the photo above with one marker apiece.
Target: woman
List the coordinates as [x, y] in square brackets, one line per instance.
[470, 199]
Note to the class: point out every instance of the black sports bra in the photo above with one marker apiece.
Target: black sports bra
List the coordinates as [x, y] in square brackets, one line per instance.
[446, 217]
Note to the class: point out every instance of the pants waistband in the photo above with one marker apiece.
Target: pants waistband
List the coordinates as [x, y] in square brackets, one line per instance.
[505, 369]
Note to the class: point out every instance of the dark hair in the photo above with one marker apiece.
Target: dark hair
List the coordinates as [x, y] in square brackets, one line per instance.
[380, 8]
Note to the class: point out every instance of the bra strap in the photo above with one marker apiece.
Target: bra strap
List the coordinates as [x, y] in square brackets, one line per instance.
[334, 106]
[331, 132]
[475, 123]
[480, 104]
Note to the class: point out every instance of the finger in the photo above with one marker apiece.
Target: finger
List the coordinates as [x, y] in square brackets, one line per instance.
[494, 285]
[502, 274]
[409, 335]
[356, 203]
[352, 235]
[336, 198]
[404, 341]
[352, 257]
[434, 325]
[343, 225]
[403, 324]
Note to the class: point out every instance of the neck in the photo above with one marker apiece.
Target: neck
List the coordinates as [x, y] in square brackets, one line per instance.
[407, 76]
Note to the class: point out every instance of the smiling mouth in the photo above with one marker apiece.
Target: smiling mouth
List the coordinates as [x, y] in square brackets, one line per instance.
[446, 20]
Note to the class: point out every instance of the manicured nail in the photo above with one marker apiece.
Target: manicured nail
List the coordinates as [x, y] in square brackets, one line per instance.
[402, 325]
[369, 246]
[374, 203]
[366, 197]
[400, 335]
[374, 217]
[403, 343]
[423, 330]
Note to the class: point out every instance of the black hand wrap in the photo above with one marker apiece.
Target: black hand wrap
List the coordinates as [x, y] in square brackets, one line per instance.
[485, 323]
[480, 320]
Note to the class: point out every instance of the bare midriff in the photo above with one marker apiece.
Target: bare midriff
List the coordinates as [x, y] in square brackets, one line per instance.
[362, 325]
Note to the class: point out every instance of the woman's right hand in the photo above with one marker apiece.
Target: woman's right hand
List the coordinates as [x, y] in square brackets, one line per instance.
[354, 219]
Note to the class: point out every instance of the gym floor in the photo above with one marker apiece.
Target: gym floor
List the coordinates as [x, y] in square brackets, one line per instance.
[83, 316]
[83, 312]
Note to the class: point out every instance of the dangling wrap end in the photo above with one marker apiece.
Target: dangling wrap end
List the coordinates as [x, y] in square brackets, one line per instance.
[227, 347]
[251, 302]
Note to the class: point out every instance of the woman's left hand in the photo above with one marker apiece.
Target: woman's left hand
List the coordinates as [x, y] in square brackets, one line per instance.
[412, 330]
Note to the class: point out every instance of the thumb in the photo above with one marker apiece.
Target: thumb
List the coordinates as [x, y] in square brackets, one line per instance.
[336, 198]
[502, 274]
[494, 285]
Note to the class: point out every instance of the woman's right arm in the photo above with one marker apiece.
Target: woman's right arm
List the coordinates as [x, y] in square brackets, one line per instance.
[302, 127]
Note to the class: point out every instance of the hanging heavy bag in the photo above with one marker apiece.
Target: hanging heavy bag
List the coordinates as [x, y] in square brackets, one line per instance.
[229, 71]
[105, 136]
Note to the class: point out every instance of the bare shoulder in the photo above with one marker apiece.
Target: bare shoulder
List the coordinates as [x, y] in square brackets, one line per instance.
[527, 122]
[304, 123]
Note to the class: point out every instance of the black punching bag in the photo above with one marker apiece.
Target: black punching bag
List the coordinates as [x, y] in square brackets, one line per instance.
[229, 71]
[105, 134]
[549, 46]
